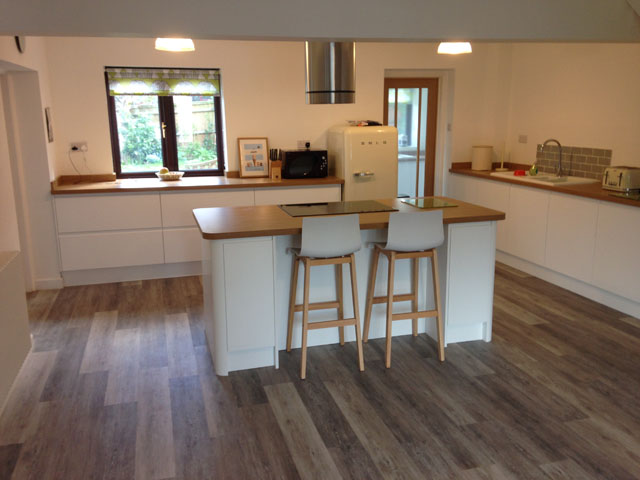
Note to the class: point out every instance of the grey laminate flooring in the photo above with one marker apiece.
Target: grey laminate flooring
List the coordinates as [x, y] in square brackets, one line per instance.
[120, 385]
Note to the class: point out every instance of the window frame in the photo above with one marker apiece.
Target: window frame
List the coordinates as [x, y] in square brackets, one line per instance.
[169, 142]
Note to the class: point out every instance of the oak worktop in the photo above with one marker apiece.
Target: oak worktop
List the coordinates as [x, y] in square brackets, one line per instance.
[268, 220]
[130, 185]
[590, 190]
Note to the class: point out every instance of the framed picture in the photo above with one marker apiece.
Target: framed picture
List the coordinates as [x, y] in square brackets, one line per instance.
[254, 157]
[47, 116]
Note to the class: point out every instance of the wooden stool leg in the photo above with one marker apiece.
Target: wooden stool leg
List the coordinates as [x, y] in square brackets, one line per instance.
[305, 320]
[356, 311]
[292, 301]
[436, 286]
[339, 299]
[414, 303]
[392, 261]
[370, 292]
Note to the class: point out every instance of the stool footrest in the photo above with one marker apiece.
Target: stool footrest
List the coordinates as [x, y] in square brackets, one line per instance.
[331, 323]
[422, 314]
[318, 306]
[396, 298]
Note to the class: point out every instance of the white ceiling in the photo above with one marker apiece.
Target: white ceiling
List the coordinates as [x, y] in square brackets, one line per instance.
[412, 20]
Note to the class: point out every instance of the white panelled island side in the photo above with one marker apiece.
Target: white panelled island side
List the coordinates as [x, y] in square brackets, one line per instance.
[247, 274]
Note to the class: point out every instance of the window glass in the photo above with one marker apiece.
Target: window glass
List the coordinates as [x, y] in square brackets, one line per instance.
[195, 122]
[139, 133]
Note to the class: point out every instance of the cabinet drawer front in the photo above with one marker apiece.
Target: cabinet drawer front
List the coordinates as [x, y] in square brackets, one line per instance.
[117, 249]
[177, 208]
[182, 245]
[289, 195]
[107, 212]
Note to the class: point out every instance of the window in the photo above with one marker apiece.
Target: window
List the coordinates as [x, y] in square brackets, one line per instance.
[165, 118]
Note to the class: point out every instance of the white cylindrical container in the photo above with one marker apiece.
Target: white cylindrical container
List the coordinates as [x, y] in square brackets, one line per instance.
[481, 157]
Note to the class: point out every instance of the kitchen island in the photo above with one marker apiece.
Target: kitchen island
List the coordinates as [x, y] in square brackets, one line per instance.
[247, 270]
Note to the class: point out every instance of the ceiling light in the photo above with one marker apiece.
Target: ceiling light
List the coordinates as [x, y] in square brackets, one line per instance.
[175, 44]
[454, 48]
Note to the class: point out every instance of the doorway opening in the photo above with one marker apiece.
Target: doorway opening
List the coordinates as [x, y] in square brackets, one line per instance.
[411, 105]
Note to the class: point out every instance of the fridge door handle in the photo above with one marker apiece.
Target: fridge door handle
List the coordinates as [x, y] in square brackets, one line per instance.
[363, 174]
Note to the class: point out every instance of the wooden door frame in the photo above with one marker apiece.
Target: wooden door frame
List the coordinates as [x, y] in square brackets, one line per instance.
[432, 85]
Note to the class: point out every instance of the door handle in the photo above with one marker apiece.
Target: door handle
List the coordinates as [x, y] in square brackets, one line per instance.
[164, 127]
[364, 174]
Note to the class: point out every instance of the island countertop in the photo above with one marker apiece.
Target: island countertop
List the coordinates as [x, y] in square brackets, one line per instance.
[268, 220]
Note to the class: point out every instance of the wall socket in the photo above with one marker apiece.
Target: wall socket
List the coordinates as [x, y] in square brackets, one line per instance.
[303, 143]
[78, 147]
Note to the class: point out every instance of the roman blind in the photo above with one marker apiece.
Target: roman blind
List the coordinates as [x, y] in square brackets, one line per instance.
[163, 81]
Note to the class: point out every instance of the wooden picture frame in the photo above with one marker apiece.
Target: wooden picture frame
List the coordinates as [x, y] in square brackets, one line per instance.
[49, 121]
[253, 155]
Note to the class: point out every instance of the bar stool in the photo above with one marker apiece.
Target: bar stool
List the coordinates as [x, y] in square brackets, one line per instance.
[326, 241]
[411, 235]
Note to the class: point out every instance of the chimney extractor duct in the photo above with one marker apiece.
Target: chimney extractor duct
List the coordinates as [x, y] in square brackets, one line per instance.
[331, 68]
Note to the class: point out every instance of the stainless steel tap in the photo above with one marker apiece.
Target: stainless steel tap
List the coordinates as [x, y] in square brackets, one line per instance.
[559, 172]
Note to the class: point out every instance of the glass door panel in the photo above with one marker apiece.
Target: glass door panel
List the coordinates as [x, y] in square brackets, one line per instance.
[410, 109]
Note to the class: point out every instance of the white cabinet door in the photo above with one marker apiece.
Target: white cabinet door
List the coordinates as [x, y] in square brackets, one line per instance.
[617, 259]
[527, 229]
[571, 227]
[289, 195]
[111, 249]
[177, 208]
[462, 188]
[182, 245]
[249, 302]
[495, 195]
[91, 213]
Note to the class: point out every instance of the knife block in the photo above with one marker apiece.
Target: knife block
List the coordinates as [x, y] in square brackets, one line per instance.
[276, 170]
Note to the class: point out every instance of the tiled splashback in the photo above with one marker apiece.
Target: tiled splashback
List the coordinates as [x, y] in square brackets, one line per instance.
[576, 161]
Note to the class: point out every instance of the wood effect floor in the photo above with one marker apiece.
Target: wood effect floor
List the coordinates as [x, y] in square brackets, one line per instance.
[120, 385]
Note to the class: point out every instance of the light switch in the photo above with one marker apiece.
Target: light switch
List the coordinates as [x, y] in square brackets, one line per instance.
[522, 138]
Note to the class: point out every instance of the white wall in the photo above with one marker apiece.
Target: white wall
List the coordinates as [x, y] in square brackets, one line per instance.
[9, 238]
[263, 89]
[25, 93]
[583, 95]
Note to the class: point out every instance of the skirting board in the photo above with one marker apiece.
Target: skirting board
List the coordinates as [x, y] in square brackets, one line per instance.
[609, 299]
[130, 274]
[49, 283]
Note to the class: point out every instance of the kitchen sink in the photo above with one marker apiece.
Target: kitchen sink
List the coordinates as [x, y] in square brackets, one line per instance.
[545, 179]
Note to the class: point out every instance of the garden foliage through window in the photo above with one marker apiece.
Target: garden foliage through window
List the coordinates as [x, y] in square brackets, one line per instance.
[165, 117]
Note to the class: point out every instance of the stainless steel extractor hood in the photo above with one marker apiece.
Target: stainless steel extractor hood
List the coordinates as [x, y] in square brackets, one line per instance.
[331, 72]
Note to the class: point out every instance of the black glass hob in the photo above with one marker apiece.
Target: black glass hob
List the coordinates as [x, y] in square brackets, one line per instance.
[336, 208]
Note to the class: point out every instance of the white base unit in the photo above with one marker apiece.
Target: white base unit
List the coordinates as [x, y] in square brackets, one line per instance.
[182, 245]
[123, 237]
[247, 284]
[111, 249]
[587, 246]
[92, 213]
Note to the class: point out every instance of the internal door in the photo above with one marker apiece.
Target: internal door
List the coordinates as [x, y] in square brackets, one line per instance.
[411, 105]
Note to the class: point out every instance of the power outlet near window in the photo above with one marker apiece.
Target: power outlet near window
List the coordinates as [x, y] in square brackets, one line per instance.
[78, 147]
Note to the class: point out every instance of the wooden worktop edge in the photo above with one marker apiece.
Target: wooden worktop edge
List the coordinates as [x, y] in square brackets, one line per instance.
[578, 190]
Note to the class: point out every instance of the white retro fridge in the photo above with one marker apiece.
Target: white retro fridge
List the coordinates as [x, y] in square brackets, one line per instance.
[367, 159]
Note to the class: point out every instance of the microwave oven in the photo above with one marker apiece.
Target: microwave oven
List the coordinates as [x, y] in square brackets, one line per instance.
[304, 163]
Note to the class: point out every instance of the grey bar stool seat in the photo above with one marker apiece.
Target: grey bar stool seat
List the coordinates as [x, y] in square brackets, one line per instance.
[326, 241]
[411, 235]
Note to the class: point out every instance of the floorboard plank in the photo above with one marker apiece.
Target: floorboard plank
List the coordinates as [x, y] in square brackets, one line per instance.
[312, 459]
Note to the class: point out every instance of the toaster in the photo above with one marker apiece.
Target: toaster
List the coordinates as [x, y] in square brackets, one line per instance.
[621, 178]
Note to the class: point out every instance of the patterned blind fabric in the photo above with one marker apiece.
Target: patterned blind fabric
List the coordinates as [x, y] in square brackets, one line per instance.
[162, 81]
